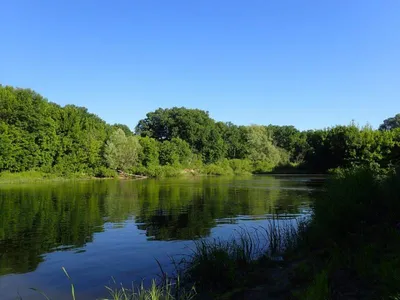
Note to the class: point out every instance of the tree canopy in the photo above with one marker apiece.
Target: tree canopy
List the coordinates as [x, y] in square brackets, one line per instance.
[121, 151]
[194, 126]
[391, 123]
[36, 134]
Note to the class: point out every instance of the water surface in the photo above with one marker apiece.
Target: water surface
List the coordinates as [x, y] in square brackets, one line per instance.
[102, 228]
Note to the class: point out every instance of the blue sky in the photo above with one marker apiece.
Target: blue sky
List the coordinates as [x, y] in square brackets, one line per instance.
[311, 64]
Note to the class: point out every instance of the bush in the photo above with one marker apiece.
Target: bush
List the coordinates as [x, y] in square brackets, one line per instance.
[158, 171]
[263, 167]
[355, 228]
[221, 265]
[219, 168]
[241, 166]
[353, 200]
[103, 172]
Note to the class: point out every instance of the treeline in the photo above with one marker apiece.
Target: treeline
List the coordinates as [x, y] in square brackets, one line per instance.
[39, 135]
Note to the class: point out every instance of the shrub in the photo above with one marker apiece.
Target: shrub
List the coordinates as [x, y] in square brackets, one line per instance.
[103, 172]
[241, 166]
[263, 167]
[219, 168]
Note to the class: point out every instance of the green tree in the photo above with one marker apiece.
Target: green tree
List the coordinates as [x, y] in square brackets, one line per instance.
[184, 152]
[175, 152]
[149, 156]
[191, 125]
[391, 123]
[261, 147]
[168, 153]
[125, 128]
[235, 138]
[122, 152]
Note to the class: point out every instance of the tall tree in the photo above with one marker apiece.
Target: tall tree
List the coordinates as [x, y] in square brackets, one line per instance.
[391, 123]
[191, 125]
[122, 152]
[261, 147]
[235, 138]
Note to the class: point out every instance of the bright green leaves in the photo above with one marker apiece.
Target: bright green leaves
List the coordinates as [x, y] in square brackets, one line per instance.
[121, 151]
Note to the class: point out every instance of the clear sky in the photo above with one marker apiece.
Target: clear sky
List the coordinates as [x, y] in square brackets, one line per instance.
[310, 64]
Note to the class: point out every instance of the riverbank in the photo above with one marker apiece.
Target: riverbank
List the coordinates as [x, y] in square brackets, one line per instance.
[348, 250]
[37, 176]
[222, 168]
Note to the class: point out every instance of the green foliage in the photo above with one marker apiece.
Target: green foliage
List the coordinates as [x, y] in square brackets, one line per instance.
[219, 168]
[319, 289]
[291, 140]
[241, 166]
[391, 123]
[103, 172]
[235, 138]
[191, 125]
[39, 135]
[26, 176]
[183, 150]
[355, 229]
[345, 146]
[166, 290]
[261, 146]
[150, 154]
[124, 127]
[157, 171]
[122, 152]
[168, 154]
[36, 134]
[221, 265]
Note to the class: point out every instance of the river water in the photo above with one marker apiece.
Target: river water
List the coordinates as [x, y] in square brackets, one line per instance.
[104, 229]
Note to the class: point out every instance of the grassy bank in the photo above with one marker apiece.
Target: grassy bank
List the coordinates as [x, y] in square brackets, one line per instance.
[224, 167]
[351, 247]
[347, 250]
[38, 176]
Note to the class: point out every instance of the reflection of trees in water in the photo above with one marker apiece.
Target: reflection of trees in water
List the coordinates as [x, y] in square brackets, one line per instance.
[187, 211]
[36, 219]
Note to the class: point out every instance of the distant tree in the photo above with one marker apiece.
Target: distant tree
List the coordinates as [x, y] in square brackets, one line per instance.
[183, 149]
[284, 136]
[149, 155]
[261, 147]
[191, 125]
[290, 139]
[124, 127]
[168, 153]
[82, 136]
[122, 152]
[235, 138]
[391, 123]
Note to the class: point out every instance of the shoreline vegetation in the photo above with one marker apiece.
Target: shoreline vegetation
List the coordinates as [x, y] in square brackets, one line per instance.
[162, 172]
[348, 249]
[42, 140]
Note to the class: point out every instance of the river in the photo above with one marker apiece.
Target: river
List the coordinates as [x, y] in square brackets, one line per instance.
[104, 229]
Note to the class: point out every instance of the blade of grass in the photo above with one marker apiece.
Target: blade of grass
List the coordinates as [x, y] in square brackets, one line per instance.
[72, 285]
[40, 292]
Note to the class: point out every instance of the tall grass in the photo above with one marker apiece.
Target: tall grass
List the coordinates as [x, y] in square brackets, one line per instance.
[354, 235]
[167, 290]
[38, 176]
[220, 265]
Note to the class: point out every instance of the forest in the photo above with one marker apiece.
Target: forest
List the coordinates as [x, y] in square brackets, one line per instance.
[41, 137]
